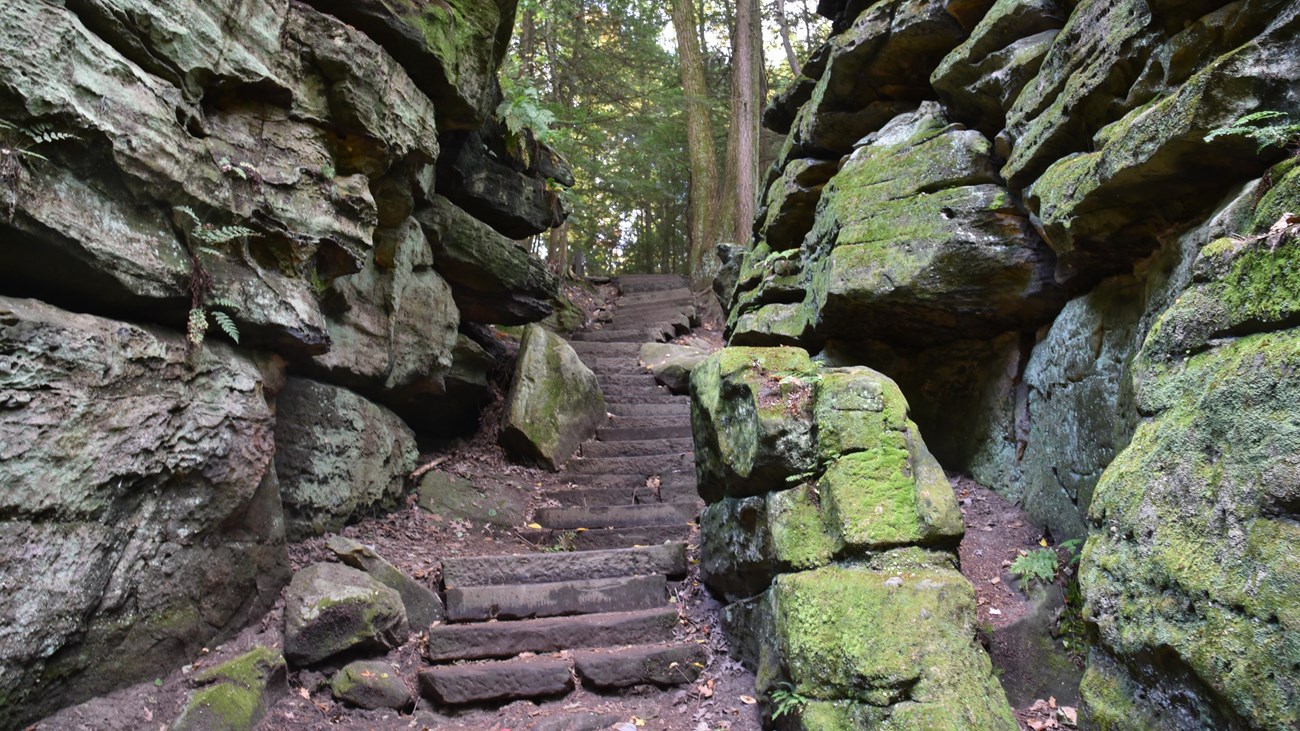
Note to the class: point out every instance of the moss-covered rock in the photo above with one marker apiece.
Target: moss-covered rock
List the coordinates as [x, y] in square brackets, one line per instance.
[1190, 572]
[890, 496]
[330, 608]
[555, 402]
[370, 684]
[751, 412]
[903, 639]
[423, 606]
[672, 364]
[234, 695]
[916, 241]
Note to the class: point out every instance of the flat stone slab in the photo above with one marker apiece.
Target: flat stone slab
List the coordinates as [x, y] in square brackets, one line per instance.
[535, 677]
[645, 465]
[582, 348]
[638, 447]
[616, 516]
[674, 478]
[545, 568]
[636, 434]
[603, 496]
[526, 601]
[551, 634]
[682, 409]
[604, 538]
[662, 665]
[660, 396]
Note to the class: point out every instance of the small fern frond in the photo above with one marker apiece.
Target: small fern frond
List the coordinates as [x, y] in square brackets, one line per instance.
[224, 302]
[196, 326]
[33, 154]
[227, 325]
[222, 235]
[189, 212]
[42, 133]
[209, 250]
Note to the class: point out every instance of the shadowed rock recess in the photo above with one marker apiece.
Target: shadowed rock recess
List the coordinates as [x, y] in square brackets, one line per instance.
[150, 480]
[1012, 209]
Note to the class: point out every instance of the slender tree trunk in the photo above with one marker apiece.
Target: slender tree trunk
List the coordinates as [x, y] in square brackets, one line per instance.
[746, 66]
[783, 24]
[699, 137]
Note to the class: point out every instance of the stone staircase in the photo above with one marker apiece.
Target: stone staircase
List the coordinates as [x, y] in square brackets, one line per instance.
[596, 610]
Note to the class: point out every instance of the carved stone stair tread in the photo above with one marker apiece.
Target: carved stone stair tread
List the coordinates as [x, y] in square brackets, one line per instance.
[632, 421]
[631, 335]
[616, 516]
[624, 667]
[674, 409]
[636, 434]
[552, 634]
[632, 480]
[645, 464]
[608, 496]
[636, 376]
[644, 399]
[603, 538]
[544, 568]
[534, 677]
[632, 448]
[607, 349]
[554, 599]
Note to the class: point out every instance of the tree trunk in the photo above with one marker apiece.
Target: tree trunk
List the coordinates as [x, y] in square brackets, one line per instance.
[699, 137]
[746, 64]
[784, 24]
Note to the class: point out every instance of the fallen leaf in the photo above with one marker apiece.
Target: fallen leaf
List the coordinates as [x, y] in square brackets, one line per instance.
[535, 526]
[1069, 714]
[1042, 542]
[994, 580]
[304, 693]
[748, 700]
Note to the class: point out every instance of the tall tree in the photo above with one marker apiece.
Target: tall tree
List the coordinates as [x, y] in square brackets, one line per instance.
[747, 65]
[783, 27]
[699, 137]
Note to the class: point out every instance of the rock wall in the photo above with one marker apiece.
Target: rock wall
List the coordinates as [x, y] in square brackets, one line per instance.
[1017, 210]
[320, 193]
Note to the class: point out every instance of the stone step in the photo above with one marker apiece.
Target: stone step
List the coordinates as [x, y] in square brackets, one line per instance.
[654, 421]
[631, 480]
[649, 464]
[660, 397]
[604, 538]
[655, 295]
[534, 677]
[641, 376]
[506, 639]
[608, 496]
[679, 312]
[616, 516]
[554, 599]
[546, 568]
[681, 408]
[632, 335]
[633, 434]
[633, 448]
[606, 349]
[616, 391]
[631, 282]
[663, 665]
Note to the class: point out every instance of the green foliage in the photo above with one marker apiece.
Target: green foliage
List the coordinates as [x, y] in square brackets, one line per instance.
[522, 109]
[786, 700]
[202, 238]
[18, 143]
[1268, 128]
[1037, 565]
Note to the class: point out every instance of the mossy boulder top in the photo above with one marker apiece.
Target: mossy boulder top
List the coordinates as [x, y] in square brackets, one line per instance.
[331, 608]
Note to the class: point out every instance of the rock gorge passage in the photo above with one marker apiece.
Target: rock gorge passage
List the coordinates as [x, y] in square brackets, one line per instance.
[264, 322]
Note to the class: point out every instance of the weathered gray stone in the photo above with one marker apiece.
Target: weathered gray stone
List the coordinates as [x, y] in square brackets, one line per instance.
[554, 402]
[533, 677]
[492, 502]
[654, 664]
[492, 278]
[330, 608]
[791, 201]
[338, 456]
[371, 684]
[423, 606]
[141, 516]
[476, 173]
[672, 364]
[234, 695]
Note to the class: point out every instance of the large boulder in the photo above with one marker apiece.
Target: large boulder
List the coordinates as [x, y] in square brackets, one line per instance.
[140, 496]
[555, 402]
[423, 605]
[493, 279]
[480, 173]
[339, 456]
[330, 608]
[672, 364]
[234, 695]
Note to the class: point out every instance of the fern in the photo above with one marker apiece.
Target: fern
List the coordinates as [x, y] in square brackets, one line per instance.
[776, 256]
[1268, 128]
[196, 327]
[227, 325]
[786, 700]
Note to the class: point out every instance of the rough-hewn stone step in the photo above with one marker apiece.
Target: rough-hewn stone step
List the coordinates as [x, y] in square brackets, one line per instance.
[616, 516]
[526, 601]
[633, 376]
[633, 434]
[658, 295]
[633, 448]
[601, 538]
[617, 392]
[624, 667]
[607, 496]
[628, 283]
[632, 480]
[543, 568]
[646, 464]
[534, 677]
[630, 335]
[633, 421]
[662, 397]
[506, 639]
[584, 348]
[682, 409]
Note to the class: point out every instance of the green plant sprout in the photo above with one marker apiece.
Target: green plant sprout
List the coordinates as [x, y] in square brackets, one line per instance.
[1268, 128]
[204, 237]
[786, 700]
[1037, 565]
